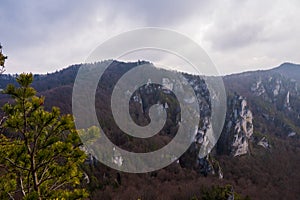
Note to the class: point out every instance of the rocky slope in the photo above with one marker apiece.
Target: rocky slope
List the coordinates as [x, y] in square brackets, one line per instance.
[274, 98]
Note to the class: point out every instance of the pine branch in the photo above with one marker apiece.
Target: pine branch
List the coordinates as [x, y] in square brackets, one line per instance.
[18, 166]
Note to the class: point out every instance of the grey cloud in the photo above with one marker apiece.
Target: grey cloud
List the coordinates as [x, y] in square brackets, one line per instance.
[235, 36]
[162, 13]
[54, 34]
[253, 22]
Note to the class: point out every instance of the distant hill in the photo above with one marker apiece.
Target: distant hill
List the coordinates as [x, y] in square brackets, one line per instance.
[289, 70]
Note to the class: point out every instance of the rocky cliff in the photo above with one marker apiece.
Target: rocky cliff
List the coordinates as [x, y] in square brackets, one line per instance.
[238, 128]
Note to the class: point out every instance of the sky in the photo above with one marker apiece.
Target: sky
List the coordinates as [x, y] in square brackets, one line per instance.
[43, 36]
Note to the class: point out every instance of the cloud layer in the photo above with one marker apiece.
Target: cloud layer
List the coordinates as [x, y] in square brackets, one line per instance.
[44, 36]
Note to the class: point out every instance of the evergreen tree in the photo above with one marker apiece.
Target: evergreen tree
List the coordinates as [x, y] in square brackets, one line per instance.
[40, 154]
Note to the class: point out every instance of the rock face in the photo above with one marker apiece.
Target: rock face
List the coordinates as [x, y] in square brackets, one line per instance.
[276, 103]
[238, 128]
[257, 88]
[287, 104]
[192, 158]
[275, 89]
[264, 143]
[146, 96]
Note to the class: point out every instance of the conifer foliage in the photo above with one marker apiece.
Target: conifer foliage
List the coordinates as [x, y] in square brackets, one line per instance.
[40, 154]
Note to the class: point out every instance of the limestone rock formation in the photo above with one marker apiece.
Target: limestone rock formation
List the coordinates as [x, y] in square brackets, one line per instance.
[238, 128]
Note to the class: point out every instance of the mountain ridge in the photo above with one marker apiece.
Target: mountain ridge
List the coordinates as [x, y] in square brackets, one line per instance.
[271, 97]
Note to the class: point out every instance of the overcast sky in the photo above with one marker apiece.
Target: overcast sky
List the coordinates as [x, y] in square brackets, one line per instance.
[48, 35]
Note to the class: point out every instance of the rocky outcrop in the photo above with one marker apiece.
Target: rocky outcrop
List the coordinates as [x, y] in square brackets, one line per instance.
[144, 97]
[291, 134]
[264, 143]
[287, 104]
[276, 104]
[257, 88]
[276, 89]
[238, 128]
[192, 158]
